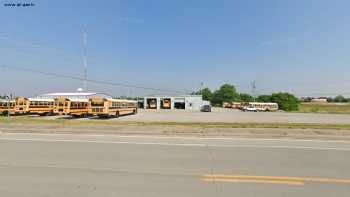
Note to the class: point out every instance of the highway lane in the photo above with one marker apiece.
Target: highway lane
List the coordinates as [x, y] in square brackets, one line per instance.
[112, 165]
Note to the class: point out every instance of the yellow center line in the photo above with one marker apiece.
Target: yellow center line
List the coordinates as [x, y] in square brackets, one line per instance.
[271, 179]
[253, 181]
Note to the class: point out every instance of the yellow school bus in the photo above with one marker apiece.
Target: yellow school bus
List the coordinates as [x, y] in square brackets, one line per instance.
[40, 106]
[99, 106]
[7, 106]
[257, 106]
[166, 104]
[15, 106]
[71, 106]
[21, 105]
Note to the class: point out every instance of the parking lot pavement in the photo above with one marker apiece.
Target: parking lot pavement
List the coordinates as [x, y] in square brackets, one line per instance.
[220, 115]
[232, 115]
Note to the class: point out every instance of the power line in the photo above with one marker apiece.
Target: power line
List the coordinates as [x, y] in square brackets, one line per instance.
[34, 46]
[89, 80]
[84, 79]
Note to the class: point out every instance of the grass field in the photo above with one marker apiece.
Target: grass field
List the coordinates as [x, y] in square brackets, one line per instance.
[333, 108]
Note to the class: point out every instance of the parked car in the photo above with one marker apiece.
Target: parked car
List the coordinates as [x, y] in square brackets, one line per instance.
[250, 109]
[206, 108]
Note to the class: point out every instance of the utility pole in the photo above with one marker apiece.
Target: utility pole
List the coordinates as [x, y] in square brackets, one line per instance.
[85, 59]
[9, 98]
[254, 90]
[200, 90]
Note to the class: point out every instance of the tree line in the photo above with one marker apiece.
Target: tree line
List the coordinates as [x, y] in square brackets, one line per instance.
[228, 93]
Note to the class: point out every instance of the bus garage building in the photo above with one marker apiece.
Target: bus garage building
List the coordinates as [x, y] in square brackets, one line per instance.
[168, 102]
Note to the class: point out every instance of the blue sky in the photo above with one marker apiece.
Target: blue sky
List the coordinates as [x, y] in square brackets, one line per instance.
[292, 45]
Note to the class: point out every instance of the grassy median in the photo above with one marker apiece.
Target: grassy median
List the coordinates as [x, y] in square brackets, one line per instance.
[91, 123]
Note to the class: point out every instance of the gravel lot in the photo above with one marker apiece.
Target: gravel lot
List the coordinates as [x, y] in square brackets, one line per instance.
[235, 116]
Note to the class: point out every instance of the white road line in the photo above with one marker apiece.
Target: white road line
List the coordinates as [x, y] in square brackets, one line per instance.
[175, 144]
[98, 141]
[184, 137]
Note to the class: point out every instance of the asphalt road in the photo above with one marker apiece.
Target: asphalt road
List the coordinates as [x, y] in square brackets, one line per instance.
[34, 165]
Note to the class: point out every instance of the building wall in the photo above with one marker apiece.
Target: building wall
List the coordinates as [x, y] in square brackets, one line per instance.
[193, 103]
[319, 100]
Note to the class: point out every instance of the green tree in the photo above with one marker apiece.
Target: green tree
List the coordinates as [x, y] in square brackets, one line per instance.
[195, 93]
[264, 98]
[307, 99]
[330, 100]
[246, 97]
[216, 99]
[226, 93]
[207, 95]
[286, 101]
[340, 99]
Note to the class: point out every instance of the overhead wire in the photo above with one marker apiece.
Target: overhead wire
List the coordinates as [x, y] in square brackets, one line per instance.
[34, 71]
